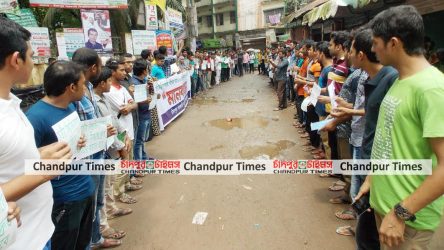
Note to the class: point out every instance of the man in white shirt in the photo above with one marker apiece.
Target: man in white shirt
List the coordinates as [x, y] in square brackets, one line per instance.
[32, 193]
[120, 100]
[218, 65]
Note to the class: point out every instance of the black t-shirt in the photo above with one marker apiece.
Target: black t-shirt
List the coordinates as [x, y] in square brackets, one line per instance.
[375, 90]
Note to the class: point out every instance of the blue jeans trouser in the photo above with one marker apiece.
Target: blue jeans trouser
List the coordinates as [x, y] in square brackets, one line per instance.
[143, 132]
[356, 180]
[99, 180]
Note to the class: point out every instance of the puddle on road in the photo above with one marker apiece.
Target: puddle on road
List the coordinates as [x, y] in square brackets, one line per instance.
[214, 100]
[248, 100]
[250, 122]
[205, 101]
[217, 147]
[270, 149]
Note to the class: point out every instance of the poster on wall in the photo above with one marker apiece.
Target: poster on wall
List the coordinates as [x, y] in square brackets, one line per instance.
[151, 17]
[129, 43]
[164, 38]
[40, 44]
[74, 39]
[9, 6]
[143, 39]
[24, 17]
[80, 4]
[61, 46]
[175, 18]
[97, 30]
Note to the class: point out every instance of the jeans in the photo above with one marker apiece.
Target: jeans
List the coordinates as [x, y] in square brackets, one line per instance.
[73, 224]
[48, 245]
[356, 180]
[100, 202]
[143, 132]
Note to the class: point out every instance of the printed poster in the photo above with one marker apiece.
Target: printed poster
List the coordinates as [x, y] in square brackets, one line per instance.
[97, 30]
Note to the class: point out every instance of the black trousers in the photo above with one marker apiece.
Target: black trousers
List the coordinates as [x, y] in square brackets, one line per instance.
[315, 138]
[333, 143]
[213, 78]
[245, 66]
[73, 224]
[240, 68]
[251, 68]
[367, 237]
[299, 100]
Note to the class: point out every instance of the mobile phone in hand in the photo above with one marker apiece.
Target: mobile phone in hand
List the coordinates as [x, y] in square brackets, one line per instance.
[360, 206]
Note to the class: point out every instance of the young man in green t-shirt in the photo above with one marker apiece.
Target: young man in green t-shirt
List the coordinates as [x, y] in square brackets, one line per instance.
[408, 208]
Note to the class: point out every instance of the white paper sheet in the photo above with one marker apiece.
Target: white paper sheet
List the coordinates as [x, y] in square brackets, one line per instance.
[332, 94]
[140, 93]
[305, 104]
[8, 229]
[319, 125]
[69, 130]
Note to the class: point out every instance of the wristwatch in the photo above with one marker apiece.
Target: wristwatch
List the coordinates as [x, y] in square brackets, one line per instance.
[403, 213]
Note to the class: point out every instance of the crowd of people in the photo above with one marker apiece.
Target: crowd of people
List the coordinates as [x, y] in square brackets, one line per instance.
[382, 88]
[381, 94]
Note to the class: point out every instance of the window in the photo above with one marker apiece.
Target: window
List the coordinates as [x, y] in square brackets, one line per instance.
[220, 19]
[232, 17]
[210, 21]
[273, 16]
[199, 19]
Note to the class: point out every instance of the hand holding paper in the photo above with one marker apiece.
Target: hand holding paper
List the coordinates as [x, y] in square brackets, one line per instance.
[55, 151]
[14, 213]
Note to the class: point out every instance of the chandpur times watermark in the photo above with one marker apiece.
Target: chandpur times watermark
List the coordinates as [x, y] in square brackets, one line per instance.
[228, 167]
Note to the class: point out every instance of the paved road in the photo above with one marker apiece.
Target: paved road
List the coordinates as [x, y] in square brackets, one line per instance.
[244, 212]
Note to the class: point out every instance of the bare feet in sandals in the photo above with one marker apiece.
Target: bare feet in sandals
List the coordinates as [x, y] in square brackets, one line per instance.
[127, 199]
[345, 231]
[111, 233]
[107, 243]
[119, 212]
[347, 214]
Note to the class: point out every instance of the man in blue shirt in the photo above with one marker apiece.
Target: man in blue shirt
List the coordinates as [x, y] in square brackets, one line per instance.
[92, 40]
[73, 195]
[87, 109]
[140, 72]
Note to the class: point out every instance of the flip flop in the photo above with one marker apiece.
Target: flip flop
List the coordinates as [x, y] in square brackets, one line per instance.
[126, 198]
[119, 212]
[112, 233]
[346, 215]
[108, 243]
[339, 200]
[132, 187]
[336, 188]
[345, 231]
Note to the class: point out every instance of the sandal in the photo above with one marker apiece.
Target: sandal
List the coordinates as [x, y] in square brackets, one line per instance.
[111, 233]
[345, 231]
[346, 215]
[342, 199]
[126, 198]
[132, 187]
[119, 212]
[107, 243]
[319, 157]
[136, 181]
[305, 136]
[336, 187]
